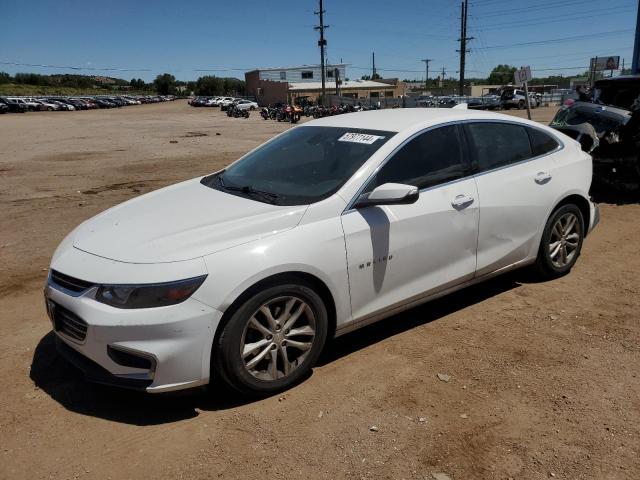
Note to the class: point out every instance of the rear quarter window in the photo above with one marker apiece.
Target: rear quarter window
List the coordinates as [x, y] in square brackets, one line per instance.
[541, 142]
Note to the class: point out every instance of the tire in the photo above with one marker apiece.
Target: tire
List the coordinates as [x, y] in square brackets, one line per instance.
[521, 105]
[549, 265]
[255, 376]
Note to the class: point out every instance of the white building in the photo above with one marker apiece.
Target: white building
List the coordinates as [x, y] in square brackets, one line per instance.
[299, 74]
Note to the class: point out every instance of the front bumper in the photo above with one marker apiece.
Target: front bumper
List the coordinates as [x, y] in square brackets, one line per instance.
[173, 343]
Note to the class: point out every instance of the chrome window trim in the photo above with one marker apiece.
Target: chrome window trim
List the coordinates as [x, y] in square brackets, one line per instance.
[349, 208]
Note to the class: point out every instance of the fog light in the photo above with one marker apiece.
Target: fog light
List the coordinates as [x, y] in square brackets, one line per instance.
[129, 358]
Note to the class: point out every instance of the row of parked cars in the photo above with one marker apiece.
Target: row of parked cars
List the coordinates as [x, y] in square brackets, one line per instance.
[58, 103]
[506, 99]
[224, 103]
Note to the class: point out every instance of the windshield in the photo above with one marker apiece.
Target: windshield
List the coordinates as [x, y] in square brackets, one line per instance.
[617, 94]
[301, 166]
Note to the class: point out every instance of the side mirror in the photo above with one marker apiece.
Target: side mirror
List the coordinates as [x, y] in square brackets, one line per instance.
[389, 194]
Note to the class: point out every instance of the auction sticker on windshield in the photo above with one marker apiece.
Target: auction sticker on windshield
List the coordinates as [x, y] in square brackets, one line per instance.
[359, 138]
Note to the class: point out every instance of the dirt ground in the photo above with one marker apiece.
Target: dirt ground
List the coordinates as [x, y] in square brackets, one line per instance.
[544, 377]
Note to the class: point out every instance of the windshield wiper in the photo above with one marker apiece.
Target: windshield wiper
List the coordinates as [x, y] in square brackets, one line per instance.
[249, 190]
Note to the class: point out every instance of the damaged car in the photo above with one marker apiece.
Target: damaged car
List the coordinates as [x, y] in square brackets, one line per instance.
[608, 127]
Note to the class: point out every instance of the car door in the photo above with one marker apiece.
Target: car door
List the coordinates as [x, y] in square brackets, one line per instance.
[515, 167]
[399, 252]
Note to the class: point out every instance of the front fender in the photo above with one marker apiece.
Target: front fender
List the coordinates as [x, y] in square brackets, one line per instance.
[316, 249]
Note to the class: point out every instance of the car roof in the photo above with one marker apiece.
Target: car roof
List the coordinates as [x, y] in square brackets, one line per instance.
[401, 119]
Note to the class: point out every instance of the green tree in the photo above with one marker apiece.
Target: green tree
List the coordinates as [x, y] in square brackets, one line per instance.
[233, 86]
[5, 77]
[209, 85]
[165, 84]
[501, 75]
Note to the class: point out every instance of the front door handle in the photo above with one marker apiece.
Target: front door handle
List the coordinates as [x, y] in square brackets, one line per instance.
[461, 202]
[542, 178]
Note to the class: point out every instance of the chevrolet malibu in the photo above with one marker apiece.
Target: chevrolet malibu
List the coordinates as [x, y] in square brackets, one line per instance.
[243, 275]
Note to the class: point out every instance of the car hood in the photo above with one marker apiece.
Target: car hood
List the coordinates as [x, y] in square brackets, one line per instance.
[181, 222]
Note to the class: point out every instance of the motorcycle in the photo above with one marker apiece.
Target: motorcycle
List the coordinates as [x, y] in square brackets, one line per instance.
[235, 112]
[240, 113]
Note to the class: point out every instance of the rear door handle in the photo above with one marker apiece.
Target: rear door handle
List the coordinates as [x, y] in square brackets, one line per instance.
[462, 201]
[542, 178]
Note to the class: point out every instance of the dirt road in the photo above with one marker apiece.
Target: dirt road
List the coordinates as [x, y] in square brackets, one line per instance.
[544, 377]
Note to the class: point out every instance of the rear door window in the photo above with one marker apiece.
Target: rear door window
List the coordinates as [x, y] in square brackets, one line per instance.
[496, 144]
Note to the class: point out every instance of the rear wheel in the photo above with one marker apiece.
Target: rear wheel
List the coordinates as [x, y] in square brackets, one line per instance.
[273, 340]
[521, 105]
[561, 242]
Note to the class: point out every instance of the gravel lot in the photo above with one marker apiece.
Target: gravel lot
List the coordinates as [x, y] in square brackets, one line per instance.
[544, 377]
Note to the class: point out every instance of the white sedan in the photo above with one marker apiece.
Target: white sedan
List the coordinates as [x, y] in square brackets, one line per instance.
[243, 275]
[246, 105]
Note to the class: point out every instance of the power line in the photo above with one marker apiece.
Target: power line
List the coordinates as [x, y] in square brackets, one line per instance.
[69, 67]
[533, 8]
[545, 21]
[560, 40]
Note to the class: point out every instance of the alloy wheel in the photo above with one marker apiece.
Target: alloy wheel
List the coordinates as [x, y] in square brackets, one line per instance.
[564, 240]
[277, 338]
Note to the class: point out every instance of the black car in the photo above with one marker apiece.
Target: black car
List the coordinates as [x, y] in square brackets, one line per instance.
[104, 103]
[13, 106]
[608, 127]
[4, 108]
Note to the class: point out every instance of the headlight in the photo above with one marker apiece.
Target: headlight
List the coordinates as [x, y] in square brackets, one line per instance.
[149, 295]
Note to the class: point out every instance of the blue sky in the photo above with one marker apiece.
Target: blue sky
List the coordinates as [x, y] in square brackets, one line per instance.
[226, 38]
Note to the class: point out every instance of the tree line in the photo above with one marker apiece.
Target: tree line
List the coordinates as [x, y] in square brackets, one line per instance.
[163, 84]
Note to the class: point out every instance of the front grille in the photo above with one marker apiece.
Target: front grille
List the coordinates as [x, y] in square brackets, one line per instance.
[69, 283]
[69, 323]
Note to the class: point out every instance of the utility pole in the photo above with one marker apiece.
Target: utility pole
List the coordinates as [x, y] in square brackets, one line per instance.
[373, 59]
[635, 68]
[426, 78]
[463, 43]
[322, 43]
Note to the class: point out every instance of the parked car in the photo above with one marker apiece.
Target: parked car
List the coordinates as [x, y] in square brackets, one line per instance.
[13, 105]
[225, 102]
[26, 106]
[325, 228]
[47, 105]
[32, 104]
[4, 108]
[608, 127]
[246, 105]
[512, 97]
[62, 104]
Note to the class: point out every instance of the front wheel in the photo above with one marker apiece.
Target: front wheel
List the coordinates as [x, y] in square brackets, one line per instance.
[273, 340]
[561, 242]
